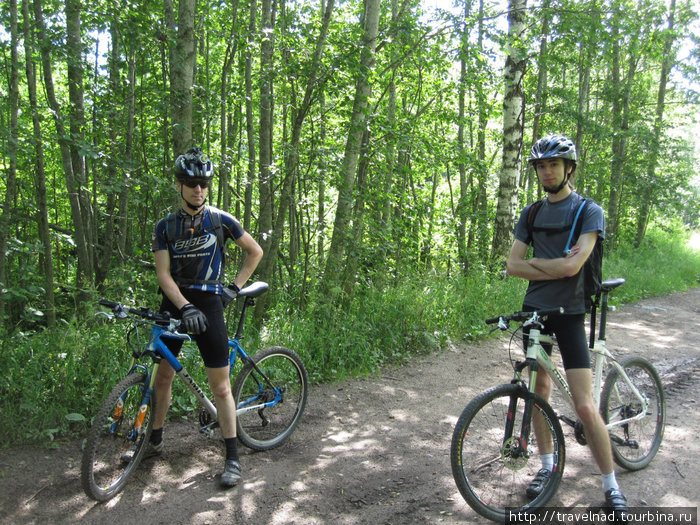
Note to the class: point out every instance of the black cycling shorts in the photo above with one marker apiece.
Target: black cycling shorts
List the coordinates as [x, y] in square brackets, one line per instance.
[570, 332]
[213, 343]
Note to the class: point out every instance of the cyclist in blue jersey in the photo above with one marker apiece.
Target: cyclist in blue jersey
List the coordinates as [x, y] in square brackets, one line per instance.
[556, 281]
[188, 247]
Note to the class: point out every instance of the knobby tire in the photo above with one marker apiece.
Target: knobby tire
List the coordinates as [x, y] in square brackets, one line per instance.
[492, 479]
[266, 428]
[104, 469]
[636, 443]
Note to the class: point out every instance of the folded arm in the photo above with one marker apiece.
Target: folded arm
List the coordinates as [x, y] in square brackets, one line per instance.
[538, 269]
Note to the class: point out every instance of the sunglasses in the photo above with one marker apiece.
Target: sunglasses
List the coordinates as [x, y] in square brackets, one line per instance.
[194, 183]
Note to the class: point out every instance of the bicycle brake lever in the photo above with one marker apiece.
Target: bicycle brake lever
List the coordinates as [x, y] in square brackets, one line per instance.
[502, 324]
[109, 316]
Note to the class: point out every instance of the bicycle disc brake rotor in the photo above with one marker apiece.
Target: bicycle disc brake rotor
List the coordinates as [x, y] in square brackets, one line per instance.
[514, 455]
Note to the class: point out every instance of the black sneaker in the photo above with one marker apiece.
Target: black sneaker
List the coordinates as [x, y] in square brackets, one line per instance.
[151, 450]
[536, 486]
[616, 502]
[232, 473]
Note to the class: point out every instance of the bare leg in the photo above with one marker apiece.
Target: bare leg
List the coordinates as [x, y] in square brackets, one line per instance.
[580, 383]
[163, 386]
[220, 385]
[543, 387]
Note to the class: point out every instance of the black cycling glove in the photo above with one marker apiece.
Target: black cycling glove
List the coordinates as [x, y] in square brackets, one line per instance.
[194, 320]
[229, 293]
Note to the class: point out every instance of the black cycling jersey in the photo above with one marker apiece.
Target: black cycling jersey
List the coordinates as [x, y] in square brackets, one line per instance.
[196, 258]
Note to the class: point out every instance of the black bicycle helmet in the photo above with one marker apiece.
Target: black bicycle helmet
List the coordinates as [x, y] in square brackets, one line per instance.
[193, 165]
[553, 147]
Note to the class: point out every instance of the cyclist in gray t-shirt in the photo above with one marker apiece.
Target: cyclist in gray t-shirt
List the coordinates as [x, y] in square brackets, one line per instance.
[556, 281]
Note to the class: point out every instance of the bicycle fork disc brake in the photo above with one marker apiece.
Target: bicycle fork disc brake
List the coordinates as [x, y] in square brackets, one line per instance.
[516, 449]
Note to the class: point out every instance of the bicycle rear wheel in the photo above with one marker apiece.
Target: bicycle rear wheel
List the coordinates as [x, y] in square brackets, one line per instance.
[634, 444]
[493, 470]
[115, 443]
[270, 397]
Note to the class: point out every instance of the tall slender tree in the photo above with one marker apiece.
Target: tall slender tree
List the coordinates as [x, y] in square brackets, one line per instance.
[353, 144]
[513, 107]
[42, 212]
[7, 212]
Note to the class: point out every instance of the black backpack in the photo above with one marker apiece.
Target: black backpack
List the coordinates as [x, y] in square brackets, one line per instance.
[593, 267]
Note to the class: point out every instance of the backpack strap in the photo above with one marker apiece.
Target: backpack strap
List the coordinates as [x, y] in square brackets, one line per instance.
[575, 227]
[217, 225]
[170, 226]
[534, 208]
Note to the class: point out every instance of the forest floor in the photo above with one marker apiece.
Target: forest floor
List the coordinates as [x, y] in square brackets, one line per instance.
[376, 450]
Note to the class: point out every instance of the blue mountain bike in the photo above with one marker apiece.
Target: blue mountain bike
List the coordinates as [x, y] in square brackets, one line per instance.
[270, 391]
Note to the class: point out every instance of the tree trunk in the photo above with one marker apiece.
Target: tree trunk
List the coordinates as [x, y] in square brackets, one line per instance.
[77, 132]
[266, 182]
[182, 61]
[250, 119]
[6, 217]
[512, 131]
[225, 168]
[125, 247]
[40, 176]
[528, 181]
[620, 118]
[84, 274]
[649, 185]
[291, 161]
[353, 145]
[463, 202]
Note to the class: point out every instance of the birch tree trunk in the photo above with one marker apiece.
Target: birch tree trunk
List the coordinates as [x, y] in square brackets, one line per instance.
[512, 130]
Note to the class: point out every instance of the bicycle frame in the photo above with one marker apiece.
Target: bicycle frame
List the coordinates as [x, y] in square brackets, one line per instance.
[536, 353]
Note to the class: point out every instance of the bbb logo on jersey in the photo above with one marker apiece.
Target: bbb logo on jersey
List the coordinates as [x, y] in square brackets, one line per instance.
[194, 244]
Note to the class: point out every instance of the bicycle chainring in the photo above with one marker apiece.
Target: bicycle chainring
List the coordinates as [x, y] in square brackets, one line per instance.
[204, 417]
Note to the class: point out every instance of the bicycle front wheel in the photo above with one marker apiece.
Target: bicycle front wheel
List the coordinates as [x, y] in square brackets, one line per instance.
[491, 466]
[115, 443]
[270, 396]
[635, 442]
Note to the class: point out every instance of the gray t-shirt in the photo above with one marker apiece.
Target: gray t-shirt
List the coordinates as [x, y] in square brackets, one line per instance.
[566, 292]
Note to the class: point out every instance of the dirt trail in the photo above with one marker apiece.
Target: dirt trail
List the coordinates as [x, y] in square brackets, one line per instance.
[376, 451]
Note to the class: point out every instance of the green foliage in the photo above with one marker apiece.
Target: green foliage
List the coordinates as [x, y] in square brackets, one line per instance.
[53, 381]
[391, 325]
[665, 261]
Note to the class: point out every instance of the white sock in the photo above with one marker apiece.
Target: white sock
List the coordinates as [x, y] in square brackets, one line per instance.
[610, 482]
[547, 461]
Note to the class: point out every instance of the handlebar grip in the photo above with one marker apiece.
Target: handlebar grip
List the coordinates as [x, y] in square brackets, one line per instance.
[108, 304]
[492, 320]
[552, 311]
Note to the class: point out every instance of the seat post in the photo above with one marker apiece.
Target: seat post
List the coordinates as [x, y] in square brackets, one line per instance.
[591, 342]
[603, 315]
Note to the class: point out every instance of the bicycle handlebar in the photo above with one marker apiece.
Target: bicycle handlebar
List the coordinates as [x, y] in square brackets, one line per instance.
[524, 316]
[121, 311]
